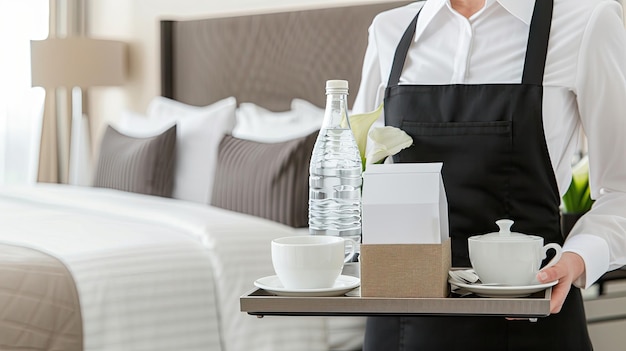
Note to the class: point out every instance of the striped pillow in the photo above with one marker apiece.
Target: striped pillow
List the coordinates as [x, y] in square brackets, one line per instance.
[265, 180]
[139, 165]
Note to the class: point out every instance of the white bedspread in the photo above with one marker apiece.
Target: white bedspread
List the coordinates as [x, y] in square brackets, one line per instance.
[158, 274]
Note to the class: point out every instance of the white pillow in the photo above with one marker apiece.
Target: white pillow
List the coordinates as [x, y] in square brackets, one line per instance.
[306, 107]
[137, 125]
[198, 135]
[258, 124]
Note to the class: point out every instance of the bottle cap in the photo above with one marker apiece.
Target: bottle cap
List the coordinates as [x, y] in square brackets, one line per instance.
[337, 85]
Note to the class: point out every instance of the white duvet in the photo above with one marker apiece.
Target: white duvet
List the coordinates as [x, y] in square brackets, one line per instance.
[162, 274]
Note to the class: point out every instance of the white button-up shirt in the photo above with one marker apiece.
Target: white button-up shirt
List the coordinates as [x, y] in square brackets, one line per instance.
[584, 85]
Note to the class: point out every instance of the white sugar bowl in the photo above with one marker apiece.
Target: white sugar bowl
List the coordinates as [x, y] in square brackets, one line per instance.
[509, 258]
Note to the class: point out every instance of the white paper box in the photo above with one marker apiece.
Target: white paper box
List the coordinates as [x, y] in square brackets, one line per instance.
[404, 203]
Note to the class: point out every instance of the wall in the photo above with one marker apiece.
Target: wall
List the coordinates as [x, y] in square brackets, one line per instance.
[137, 22]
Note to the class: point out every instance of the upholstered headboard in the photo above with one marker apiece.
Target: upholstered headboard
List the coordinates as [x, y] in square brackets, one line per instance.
[267, 59]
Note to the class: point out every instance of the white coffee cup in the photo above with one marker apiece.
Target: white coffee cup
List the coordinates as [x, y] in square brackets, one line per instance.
[310, 261]
[509, 258]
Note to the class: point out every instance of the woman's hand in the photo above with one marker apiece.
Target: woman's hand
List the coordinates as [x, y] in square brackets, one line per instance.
[567, 270]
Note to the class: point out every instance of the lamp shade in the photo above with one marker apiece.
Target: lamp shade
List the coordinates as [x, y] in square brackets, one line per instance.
[77, 62]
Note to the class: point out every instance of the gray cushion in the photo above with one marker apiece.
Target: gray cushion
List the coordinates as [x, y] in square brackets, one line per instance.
[140, 165]
[265, 180]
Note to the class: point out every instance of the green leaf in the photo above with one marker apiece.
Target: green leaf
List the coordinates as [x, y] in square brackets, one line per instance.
[577, 199]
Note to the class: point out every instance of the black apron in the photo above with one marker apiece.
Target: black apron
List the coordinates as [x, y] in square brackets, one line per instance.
[496, 165]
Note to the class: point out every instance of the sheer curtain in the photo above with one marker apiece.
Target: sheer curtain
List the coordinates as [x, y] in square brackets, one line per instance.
[21, 106]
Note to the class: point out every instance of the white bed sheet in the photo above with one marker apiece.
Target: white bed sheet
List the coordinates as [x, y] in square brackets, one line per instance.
[161, 274]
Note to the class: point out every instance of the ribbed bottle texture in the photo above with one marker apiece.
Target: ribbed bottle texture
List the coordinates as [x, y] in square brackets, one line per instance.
[335, 171]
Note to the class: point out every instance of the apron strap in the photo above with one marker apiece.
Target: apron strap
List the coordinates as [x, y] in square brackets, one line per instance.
[536, 51]
[401, 51]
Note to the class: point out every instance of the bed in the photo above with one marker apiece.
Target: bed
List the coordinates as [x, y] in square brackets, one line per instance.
[186, 198]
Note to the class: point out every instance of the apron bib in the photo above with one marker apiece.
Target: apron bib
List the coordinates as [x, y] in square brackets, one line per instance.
[496, 165]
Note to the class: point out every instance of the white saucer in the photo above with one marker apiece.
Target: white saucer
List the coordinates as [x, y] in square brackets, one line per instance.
[342, 285]
[502, 290]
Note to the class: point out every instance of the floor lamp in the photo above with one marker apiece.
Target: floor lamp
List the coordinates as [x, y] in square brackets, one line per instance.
[74, 62]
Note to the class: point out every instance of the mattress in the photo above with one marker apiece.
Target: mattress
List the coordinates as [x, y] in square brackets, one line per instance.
[155, 273]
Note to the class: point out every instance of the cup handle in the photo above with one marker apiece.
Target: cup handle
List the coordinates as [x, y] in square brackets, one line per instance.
[557, 256]
[353, 246]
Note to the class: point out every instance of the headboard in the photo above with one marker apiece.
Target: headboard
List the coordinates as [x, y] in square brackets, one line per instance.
[267, 59]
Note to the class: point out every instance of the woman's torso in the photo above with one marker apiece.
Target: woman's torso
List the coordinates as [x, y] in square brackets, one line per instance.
[489, 48]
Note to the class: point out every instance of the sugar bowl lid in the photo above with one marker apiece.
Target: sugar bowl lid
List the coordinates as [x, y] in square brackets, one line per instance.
[505, 234]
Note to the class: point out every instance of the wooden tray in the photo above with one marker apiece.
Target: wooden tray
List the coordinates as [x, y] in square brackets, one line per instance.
[262, 303]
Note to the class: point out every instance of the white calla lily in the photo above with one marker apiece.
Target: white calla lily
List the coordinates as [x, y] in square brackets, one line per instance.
[360, 125]
[388, 141]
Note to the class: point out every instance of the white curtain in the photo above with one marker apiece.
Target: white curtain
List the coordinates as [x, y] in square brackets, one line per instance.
[21, 106]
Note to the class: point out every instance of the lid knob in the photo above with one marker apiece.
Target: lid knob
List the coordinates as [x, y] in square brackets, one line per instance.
[505, 226]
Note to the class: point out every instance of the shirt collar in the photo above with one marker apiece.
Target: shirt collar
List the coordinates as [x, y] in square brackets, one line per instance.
[522, 9]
